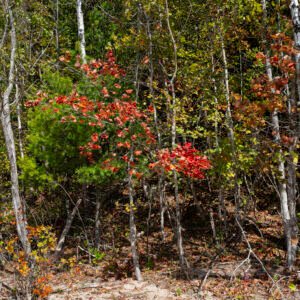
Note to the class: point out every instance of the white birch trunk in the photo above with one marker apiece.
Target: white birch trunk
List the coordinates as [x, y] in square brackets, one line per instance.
[21, 221]
[227, 94]
[287, 210]
[19, 112]
[80, 23]
[231, 128]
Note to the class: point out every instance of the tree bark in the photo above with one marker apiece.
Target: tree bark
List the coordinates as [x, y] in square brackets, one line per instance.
[182, 260]
[287, 203]
[19, 112]
[230, 127]
[56, 18]
[80, 22]
[21, 221]
[97, 218]
[132, 226]
[66, 229]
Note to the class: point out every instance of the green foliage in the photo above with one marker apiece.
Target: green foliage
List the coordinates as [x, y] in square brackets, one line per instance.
[4, 174]
[94, 174]
[97, 255]
[33, 175]
[55, 83]
[55, 145]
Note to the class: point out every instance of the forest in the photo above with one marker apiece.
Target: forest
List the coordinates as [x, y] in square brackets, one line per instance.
[149, 149]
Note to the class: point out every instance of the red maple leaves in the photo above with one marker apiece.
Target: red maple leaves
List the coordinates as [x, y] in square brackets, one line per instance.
[117, 122]
[100, 67]
[185, 159]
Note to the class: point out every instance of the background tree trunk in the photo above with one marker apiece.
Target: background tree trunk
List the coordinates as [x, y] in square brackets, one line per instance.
[132, 226]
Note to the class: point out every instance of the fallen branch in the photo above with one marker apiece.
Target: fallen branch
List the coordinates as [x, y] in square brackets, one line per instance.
[66, 229]
[2, 284]
[82, 287]
[251, 252]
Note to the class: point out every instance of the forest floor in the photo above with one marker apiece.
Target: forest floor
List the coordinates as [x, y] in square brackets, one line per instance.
[222, 269]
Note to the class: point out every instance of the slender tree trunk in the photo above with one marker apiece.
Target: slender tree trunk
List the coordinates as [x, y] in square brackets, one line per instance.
[19, 111]
[56, 18]
[148, 192]
[66, 229]
[80, 22]
[97, 219]
[288, 207]
[161, 183]
[182, 260]
[162, 205]
[230, 127]
[215, 100]
[133, 233]
[21, 221]
[227, 94]
[151, 71]
[291, 174]
[294, 7]
[292, 161]
[137, 66]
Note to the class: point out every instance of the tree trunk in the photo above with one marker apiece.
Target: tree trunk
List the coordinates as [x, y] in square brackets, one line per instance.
[292, 228]
[21, 221]
[182, 260]
[19, 111]
[287, 201]
[81, 36]
[66, 229]
[215, 99]
[162, 205]
[97, 219]
[151, 71]
[161, 183]
[56, 18]
[230, 127]
[133, 234]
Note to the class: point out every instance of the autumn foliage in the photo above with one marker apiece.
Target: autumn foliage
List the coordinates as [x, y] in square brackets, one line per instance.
[185, 159]
[117, 121]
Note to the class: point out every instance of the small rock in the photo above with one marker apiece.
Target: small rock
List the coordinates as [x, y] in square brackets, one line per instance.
[151, 288]
[159, 294]
[129, 286]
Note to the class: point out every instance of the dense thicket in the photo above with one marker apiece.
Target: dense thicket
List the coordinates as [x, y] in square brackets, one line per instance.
[163, 115]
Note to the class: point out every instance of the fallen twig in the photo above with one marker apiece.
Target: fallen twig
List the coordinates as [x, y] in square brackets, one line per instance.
[251, 252]
[2, 284]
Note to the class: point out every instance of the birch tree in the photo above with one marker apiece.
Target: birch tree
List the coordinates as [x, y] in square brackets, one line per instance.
[287, 201]
[182, 260]
[21, 222]
[80, 22]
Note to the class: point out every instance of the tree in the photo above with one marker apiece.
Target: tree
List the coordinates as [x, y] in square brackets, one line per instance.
[81, 35]
[19, 208]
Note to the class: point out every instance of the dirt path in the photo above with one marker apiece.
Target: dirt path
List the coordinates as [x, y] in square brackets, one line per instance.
[117, 289]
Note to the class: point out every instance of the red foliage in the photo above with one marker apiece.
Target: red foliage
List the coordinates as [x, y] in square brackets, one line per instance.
[117, 120]
[115, 117]
[269, 91]
[185, 159]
